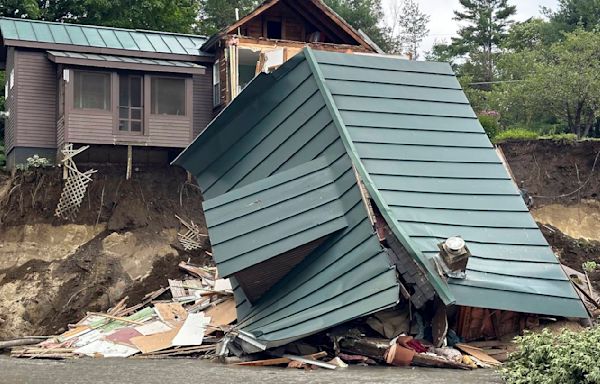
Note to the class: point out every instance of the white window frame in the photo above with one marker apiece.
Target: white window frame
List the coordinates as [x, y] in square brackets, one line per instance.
[216, 84]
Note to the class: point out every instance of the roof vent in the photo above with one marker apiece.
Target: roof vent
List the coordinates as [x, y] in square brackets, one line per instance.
[453, 257]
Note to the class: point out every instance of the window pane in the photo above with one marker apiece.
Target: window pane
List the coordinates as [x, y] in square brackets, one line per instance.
[123, 125]
[136, 114]
[123, 91]
[136, 126]
[168, 96]
[124, 113]
[136, 91]
[92, 90]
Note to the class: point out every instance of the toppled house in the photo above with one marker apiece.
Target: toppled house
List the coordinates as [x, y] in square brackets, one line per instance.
[143, 96]
[333, 184]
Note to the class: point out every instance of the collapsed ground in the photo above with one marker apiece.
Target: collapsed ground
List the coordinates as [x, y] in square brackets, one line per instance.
[124, 240]
[123, 243]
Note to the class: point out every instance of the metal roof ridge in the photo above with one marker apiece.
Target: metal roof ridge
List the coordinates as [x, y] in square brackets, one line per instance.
[442, 287]
[102, 27]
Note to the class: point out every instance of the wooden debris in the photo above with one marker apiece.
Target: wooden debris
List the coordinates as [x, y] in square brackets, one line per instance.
[278, 360]
[434, 361]
[192, 238]
[479, 354]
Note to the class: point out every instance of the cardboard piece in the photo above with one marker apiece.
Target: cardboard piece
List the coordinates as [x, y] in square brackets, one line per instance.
[156, 342]
[172, 314]
[153, 328]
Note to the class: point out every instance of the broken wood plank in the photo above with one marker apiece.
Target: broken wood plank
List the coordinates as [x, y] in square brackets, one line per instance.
[122, 319]
[221, 315]
[278, 360]
[18, 342]
[426, 360]
[478, 353]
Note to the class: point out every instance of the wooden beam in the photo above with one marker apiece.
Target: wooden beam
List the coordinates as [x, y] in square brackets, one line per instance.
[129, 161]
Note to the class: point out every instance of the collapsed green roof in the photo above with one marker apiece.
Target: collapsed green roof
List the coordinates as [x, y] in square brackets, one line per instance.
[408, 130]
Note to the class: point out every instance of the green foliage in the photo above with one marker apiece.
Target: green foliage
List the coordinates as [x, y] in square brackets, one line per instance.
[490, 125]
[515, 134]
[485, 24]
[545, 358]
[413, 27]
[572, 14]
[590, 266]
[163, 15]
[365, 15]
[217, 14]
[34, 162]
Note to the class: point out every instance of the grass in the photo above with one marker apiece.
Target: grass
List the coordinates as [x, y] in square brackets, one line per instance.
[515, 134]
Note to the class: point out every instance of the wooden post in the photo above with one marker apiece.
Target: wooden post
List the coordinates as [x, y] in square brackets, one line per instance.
[129, 161]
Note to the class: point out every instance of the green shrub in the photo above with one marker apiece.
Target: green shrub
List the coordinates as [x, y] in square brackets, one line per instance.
[562, 137]
[546, 358]
[516, 134]
[490, 125]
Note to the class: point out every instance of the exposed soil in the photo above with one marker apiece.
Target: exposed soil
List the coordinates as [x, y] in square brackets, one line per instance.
[574, 252]
[122, 243]
[556, 172]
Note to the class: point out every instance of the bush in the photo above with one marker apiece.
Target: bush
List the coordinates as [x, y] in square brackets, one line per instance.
[546, 358]
[516, 134]
[490, 125]
[561, 137]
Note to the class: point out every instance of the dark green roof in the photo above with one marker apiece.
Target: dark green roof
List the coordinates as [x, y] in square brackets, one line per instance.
[34, 31]
[408, 130]
[434, 174]
[262, 220]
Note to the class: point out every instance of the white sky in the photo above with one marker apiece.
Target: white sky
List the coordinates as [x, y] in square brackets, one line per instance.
[443, 27]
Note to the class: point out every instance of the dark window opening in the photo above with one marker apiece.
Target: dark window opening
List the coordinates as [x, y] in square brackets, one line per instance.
[92, 90]
[131, 109]
[168, 96]
[274, 29]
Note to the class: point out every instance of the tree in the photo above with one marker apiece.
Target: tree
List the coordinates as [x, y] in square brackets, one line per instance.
[561, 81]
[217, 14]
[163, 15]
[573, 14]
[486, 27]
[366, 15]
[413, 27]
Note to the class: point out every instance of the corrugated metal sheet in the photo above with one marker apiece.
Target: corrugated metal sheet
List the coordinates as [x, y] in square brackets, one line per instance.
[437, 175]
[125, 59]
[265, 219]
[100, 37]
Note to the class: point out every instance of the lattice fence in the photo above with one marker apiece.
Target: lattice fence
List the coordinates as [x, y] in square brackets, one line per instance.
[192, 238]
[76, 184]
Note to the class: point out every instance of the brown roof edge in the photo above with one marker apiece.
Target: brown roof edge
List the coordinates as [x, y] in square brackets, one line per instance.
[337, 19]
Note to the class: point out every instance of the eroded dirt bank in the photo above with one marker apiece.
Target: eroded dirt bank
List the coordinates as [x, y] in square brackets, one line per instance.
[563, 179]
[123, 242]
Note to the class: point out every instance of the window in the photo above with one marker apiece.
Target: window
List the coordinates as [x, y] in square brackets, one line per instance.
[274, 29]
[168, 96]
[131, 107]
[216, 84]
[92, 90]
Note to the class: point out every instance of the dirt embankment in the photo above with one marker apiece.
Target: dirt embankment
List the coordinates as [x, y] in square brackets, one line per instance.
[564, 180]
[123, 242]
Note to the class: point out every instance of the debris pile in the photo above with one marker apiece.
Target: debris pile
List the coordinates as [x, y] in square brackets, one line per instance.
[200, 308]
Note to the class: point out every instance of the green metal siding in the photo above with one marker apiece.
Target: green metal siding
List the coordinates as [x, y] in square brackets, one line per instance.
[276, 126]
[438, 175]
[265, 219]
[100, 37]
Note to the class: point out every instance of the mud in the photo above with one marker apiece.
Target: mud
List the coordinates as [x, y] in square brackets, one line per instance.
[556, 172]
[122, 243]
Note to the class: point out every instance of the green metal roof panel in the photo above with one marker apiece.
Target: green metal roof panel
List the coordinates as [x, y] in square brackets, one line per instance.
[434, 187]
[125, 59]
[100, 37]
[277, 214]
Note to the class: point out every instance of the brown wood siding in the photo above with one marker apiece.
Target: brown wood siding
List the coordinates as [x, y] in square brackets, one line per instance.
[11, 122]
[100, 127]
[203, 101]
[166, 131]
[35, 78]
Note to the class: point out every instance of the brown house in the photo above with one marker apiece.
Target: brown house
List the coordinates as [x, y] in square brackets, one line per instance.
[116, 88]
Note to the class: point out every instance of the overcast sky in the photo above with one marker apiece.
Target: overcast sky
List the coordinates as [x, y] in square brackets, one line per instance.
[443, 27]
